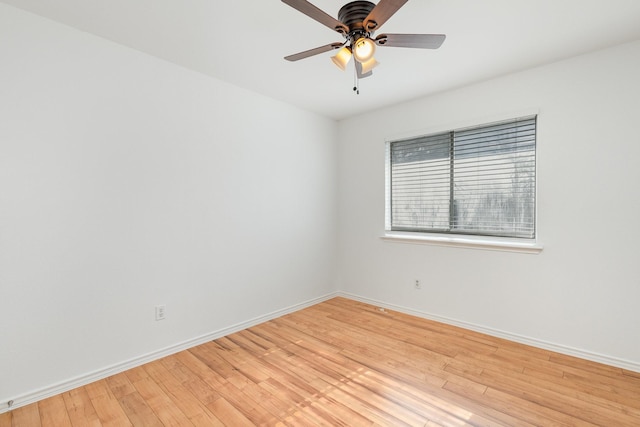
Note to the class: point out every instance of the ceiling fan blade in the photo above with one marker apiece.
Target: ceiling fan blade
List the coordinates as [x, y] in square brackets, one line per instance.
[315, 13]
[381, 13]
[420, 41]
[315, 51]
[359, 72]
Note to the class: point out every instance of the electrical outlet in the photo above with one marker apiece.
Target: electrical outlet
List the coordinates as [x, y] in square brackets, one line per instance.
[418, 285]
[160, 312]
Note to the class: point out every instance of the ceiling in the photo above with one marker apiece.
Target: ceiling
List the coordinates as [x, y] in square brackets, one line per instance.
[243, 42]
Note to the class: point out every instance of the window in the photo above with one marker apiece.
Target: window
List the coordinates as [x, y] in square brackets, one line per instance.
[473, 181]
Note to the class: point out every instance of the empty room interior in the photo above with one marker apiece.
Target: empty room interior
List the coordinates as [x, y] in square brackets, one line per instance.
[201, 226]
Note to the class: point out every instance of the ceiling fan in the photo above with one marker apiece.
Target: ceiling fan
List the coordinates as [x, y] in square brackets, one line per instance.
[357, 22]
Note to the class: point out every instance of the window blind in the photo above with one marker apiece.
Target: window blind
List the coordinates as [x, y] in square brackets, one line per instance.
[478, 180]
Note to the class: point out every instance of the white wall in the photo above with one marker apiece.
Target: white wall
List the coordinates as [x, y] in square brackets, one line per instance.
[127, 182]
[582, 291]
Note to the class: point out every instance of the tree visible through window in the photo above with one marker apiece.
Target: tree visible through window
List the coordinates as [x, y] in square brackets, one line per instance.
[479, 180]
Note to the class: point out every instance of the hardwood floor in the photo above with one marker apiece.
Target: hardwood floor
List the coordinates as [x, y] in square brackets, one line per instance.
[346, 363]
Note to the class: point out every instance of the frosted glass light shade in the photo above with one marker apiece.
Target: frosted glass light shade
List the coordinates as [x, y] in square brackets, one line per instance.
[369, 65]
[363, 49]
[341, 59]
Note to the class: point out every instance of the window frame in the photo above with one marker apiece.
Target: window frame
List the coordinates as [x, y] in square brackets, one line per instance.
[461, 238]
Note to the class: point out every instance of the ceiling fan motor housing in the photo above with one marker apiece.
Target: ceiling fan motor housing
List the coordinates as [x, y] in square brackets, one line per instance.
[353, 15]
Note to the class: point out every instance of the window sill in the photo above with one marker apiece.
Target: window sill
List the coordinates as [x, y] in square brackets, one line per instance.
[472, 242]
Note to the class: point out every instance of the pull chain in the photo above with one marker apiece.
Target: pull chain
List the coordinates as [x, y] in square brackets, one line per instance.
[356, 81]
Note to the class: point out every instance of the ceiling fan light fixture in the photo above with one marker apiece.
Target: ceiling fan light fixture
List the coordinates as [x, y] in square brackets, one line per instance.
[342, 58]
[356, 22]
[363, 49]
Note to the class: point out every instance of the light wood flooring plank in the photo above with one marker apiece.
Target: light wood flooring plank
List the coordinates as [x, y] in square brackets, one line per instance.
[5, 419]
[53, 412]
[187, 402]
[26, 416]
[80, 409]
[160, 403]
[138, 411]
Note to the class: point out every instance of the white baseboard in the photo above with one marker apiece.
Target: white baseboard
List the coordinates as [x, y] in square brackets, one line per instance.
[88, 378]
[570, 351]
